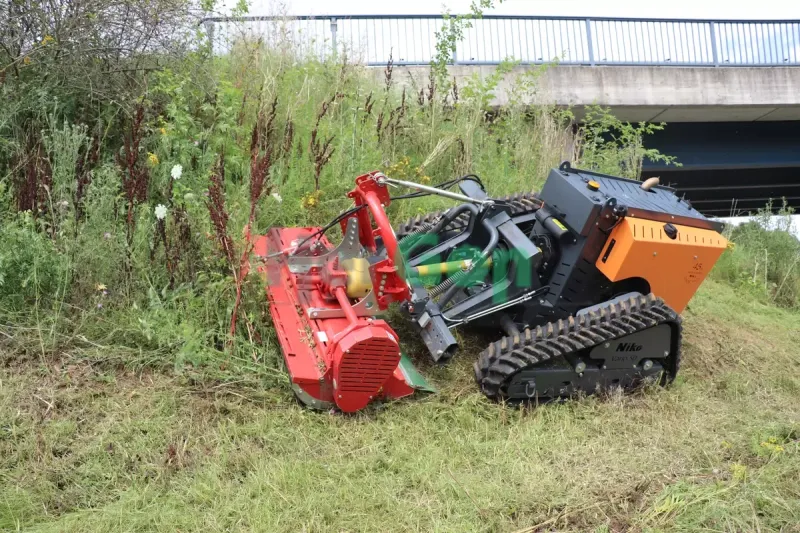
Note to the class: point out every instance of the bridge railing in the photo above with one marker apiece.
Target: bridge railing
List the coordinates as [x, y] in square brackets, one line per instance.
[411, 39]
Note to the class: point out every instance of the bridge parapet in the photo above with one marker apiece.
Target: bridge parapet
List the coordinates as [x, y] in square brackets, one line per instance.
[411, 39]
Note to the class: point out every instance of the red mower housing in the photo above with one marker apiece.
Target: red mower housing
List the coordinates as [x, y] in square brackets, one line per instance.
[324, 302]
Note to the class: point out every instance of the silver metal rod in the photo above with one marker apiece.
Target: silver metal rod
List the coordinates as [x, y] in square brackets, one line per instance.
[620, 41]
[434, 190]
[524, 298]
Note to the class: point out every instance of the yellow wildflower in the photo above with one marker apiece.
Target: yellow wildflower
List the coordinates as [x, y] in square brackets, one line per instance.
[738, 471]
[310, 200]
[100, 287]
[425, 179]
[153, 158]
[47, 40]
[772, 445]
[27, 60]
[163, 131]
[401, 169]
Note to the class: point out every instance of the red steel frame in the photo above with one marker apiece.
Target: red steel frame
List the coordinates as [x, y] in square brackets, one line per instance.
[349, 360]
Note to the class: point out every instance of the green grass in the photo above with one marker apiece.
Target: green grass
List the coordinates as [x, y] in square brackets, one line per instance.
[96, 448]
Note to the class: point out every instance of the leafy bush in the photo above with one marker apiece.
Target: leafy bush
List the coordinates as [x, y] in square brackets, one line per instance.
[611, 146]
[764, 260]
[31, 269]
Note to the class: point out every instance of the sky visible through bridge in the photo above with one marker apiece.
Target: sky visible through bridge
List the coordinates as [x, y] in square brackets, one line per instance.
[567, 41]
[695, 9]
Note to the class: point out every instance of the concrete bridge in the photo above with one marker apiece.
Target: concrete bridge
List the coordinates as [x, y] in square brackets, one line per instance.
[659, 94]
[728, 90]
[736, 131]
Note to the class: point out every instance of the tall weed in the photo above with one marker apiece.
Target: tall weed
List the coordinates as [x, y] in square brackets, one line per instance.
[31, 269]
[765, 259]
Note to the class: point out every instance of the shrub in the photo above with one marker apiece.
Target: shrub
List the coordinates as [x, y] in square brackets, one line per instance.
[31, 269]
[764, 260]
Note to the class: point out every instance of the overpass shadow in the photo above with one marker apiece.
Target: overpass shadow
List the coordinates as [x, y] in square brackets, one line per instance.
[731, 168]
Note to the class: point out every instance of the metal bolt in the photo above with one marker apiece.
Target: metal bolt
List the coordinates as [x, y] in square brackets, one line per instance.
[607, 345]
[580, 367]
[647, 365]
[604, 367]
[666, 353]
[655, 254]
[314, 314]
[695, 258]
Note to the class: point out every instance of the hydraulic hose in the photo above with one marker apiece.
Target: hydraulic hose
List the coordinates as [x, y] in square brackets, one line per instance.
[446, 219]
[494, 239]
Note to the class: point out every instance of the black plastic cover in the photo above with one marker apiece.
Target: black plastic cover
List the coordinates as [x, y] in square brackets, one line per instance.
[565, 191]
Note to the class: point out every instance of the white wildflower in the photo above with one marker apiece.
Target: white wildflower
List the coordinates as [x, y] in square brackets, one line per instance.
[277, 197]
[177, 172]
[161, 211]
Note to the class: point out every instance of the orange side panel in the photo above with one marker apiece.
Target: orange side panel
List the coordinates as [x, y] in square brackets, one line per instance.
[675, 268]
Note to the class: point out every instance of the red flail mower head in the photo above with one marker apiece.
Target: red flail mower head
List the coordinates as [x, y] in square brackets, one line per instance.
[324, 302]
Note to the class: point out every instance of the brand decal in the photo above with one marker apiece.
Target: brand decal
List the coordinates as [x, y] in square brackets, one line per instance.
[628, 347]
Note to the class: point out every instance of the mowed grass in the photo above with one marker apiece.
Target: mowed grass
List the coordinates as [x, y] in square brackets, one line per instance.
[89, 448]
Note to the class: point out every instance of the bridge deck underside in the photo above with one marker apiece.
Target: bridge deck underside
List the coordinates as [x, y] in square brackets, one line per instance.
[731, 168]
[734, 192]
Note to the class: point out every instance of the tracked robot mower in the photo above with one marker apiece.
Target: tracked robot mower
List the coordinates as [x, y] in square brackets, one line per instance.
[582, 284]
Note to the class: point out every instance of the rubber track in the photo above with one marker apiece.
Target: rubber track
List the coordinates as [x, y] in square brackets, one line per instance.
[521, 203]
[503, 359]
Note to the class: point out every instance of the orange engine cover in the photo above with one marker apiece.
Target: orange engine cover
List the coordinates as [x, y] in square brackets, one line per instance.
[674, 268]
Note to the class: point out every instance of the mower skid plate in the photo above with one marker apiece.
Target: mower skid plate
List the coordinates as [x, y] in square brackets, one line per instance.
[295, 335]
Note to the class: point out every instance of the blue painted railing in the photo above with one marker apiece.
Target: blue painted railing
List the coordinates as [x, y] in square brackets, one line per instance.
[411, 39]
